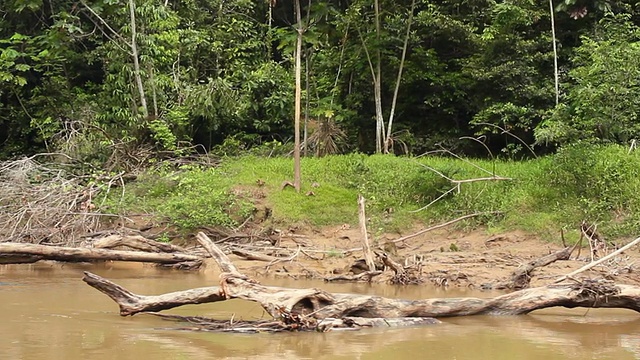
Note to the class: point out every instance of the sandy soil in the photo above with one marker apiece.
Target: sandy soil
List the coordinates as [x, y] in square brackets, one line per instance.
[443, 257]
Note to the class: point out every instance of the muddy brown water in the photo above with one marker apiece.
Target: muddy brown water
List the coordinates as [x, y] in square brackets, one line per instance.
[47, 312]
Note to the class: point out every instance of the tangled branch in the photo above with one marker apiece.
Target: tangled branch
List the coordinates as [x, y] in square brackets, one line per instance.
[46, 204]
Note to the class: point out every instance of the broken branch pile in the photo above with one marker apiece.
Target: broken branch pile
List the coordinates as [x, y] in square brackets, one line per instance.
[47, 204]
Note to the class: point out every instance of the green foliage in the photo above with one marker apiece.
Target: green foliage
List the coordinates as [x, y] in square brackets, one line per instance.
[163, 134]
[514, 74]
[601, 102]
[581, 182]
[187, 199]
[215, 69]
[600, 179]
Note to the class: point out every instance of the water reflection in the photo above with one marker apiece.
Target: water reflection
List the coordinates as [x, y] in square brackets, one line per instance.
[48, 313]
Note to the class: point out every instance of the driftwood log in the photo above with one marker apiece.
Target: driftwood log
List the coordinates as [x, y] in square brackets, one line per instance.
[22, 252]
[136, 242]
[316, 304]
[521, 277]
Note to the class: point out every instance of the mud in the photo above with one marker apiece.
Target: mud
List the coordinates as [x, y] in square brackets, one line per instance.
[447, 258]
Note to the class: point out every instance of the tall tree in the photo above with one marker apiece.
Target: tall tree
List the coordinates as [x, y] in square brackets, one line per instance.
[555, 52]
[298, 97]
[388, 139]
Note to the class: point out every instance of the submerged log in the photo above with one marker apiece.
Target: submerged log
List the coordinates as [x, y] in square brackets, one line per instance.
[318, 304]
[366, 276]
[59, 253]
[259, 326]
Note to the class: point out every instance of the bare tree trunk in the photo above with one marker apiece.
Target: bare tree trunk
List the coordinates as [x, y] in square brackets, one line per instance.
[387, 140]
[555, 52]
[298, 98]
[136, 62]
[154, 95]
[307, 61]
[305, 137]
[269, 35]
[377, 86]
[368, 254]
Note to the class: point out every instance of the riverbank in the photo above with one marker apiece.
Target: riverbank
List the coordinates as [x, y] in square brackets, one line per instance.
[597, 185]
[516, 210]
[444, 257]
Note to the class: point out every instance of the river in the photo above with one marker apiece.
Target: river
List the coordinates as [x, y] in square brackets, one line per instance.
[47, 312]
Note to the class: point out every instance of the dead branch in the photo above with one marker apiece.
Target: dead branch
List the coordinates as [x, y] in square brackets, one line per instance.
[439, 226]
[131, 303]
[403, 275]
[250, 255]
[368, 254]
[45, 204]
[595, 263]
[521, 277]
[432, 228]
[366, 276]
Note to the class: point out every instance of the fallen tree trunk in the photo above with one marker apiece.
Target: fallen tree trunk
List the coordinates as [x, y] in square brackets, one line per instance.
[521, 277]
[43, 252]
[366, 276]
[250, 255]
[315, 303]
[135, 242]
[18, 259]
[320, 304]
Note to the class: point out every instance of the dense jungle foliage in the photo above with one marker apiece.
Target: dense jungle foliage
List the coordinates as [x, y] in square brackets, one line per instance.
[86, 77]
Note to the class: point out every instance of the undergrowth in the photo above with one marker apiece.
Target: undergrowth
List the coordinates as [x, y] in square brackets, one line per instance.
[583, 182]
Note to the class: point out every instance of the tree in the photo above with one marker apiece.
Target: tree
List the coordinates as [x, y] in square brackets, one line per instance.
[555, 52]
[601, 101]
[298, 96]
[382, 138]
[513, 94]
[387, 140]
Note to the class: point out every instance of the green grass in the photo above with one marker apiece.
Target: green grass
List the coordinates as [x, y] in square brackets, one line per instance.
[583, 182]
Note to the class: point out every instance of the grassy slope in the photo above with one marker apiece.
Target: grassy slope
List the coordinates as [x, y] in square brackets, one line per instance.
[597, 184]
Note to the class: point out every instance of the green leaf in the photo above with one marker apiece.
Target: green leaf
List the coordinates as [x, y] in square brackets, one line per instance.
[18, 37]
[22, 67]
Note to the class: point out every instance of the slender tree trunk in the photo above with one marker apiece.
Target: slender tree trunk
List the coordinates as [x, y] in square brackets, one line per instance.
[335, 83]
[366, 248]
[377, 86]
[555, 52]
[387, 140]
[305, 138]
[136, 62]
[307, 61]
[298, 98]
[269, 21]
[154, 95]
